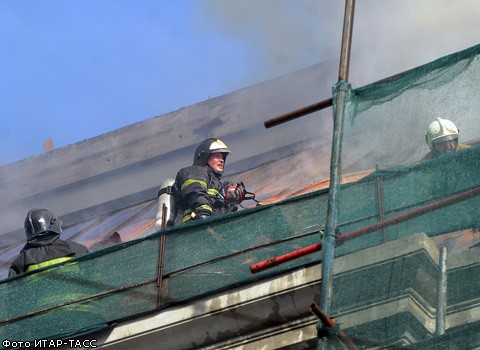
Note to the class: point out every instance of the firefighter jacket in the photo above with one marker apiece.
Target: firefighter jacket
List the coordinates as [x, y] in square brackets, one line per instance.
[45, 251]
[198, 190]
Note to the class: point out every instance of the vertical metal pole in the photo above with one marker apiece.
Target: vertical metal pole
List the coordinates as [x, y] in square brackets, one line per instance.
[335, 162]
[340, 92]
[346, 40]
[442, 293]
[381, 206]
[161, 256]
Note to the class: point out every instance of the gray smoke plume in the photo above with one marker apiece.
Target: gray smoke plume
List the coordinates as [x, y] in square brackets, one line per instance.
[389, 37]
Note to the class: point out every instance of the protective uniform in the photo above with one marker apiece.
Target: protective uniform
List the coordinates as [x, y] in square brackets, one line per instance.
[441, 130]
[44, 246]
[199, 191]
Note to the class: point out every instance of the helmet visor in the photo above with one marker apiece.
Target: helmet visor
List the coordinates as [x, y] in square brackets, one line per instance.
[446, 138]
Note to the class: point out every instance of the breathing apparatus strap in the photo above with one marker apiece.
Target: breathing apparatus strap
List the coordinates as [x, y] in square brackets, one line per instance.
[167, 190]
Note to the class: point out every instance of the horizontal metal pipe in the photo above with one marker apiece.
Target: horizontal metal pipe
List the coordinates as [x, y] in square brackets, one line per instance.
[263, 265]
[298, 113]
[329, 323]
[411, 214]
[266, 264]
[326, 321]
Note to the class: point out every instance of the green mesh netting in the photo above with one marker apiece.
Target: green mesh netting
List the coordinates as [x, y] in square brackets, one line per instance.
[387, 124]
[387, 120]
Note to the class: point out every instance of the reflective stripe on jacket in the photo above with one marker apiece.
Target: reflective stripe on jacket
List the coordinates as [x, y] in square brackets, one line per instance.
[42, 250]
[198, 190]
[47, 263]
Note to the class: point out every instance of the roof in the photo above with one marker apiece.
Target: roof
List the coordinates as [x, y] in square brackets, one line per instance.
[109, 183]
[149, 271]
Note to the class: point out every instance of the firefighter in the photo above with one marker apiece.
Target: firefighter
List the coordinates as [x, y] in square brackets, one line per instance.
[44, 246]
[442, 137]
[198, 189]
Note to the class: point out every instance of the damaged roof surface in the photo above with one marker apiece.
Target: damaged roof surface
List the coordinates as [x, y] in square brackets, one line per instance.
[104, 189]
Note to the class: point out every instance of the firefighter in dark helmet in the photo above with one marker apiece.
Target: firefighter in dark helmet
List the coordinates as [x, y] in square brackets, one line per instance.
[199, 191]
[44, 246]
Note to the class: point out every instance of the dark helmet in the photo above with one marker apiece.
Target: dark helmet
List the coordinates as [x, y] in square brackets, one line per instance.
[40, 222]
[208, 147]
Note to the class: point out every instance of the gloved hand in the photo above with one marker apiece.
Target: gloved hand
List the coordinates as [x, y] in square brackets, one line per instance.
[235, 194]
[201, 214]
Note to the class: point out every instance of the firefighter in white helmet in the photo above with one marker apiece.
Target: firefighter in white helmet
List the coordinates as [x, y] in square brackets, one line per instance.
[442, 137]
[198, 189]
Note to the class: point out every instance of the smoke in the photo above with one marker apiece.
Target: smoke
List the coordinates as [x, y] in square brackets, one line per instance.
[278, 36]
[389, 37]
[394, 36]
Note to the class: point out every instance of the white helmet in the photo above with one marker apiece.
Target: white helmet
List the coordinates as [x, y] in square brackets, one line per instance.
[441, 130]
[206, 148]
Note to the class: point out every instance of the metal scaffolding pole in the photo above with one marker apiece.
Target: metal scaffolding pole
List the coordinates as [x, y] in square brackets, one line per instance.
[442, 293]
[340, 93]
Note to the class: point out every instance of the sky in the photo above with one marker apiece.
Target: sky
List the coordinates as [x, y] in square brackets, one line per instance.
[75, 69]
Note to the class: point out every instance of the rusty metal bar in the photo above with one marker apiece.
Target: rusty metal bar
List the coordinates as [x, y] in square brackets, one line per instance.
[412, 214]
[298, 113]
[326, 321]
[161, 256]
[329, 323]
[239, 252]
[164, 217]
[342, 73]
[272, 262]
[264, 265]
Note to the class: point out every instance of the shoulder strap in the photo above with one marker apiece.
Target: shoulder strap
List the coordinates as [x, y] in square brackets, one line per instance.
[167, 190]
